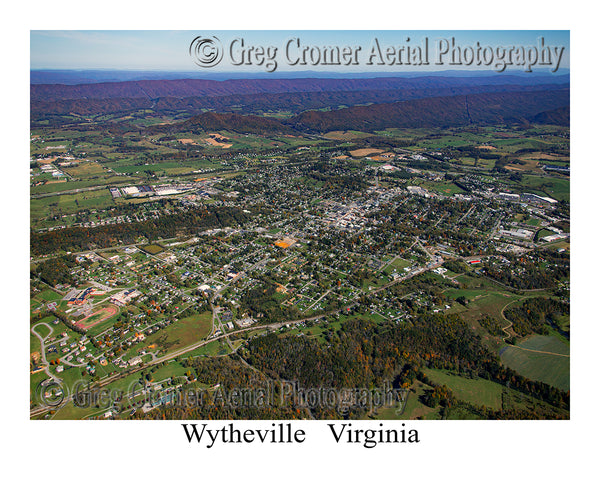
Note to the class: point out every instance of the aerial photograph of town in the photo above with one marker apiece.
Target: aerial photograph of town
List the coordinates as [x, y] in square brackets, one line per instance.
[284, 231]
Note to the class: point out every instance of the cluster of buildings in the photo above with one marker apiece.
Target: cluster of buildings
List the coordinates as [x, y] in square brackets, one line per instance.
[149, 190]
[79, 297]
[527, 198]
[556, 236]
[136, 191]
[123, 298]
[519, 234]
[51, 169]
[557, 168]
[416, 190]
[345, 217]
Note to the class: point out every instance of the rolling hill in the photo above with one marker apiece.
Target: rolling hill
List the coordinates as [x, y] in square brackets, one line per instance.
[448, 111]
[154, 89]
[258, 103]
[452, 111]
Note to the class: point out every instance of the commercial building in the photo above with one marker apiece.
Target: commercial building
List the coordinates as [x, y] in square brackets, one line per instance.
[533, 198]
[124, 297]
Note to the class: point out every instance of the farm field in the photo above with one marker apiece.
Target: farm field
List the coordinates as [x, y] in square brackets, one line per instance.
[79, 184]
[363, 152]
[551, 369]
[557, 188]
[67, 204]
[476, 391]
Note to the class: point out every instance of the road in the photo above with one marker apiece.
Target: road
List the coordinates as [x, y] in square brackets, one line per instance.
[510, 324]
[96, 250]
[273, 326]
[71, 192]
[43, 347]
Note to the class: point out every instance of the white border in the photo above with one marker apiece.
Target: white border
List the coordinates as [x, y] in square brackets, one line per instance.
[543, 449]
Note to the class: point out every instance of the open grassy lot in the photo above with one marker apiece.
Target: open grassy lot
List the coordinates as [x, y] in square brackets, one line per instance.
[181, 333]
[152, 249]
[73, 185]
[87, 169]
[102, 326]
[45, 296]
[476, 391]
[482, 303]
[34, 385]
[397, 266]
[171, 369]
[345, 135]
[217, 347]
[34, 344]
[551, 369]
[70, 375]
[413, 409]
[70, 411]
[533, 221]
[558, 188]
[443, 188]
[41, 330]
[70, 203]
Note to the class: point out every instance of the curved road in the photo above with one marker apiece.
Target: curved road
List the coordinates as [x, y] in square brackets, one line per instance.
[510, 324]
[43, 348]
[189, 348]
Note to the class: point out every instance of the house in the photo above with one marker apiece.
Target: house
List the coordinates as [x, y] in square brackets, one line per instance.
[134, 361]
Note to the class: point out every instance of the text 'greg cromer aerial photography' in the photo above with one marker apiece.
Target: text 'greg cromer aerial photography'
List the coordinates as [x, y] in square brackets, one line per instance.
[283, 225]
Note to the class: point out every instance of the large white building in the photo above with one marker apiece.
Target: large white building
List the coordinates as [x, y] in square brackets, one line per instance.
[124, 297]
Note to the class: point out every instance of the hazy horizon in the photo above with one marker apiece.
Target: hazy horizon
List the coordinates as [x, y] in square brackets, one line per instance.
[169, 51]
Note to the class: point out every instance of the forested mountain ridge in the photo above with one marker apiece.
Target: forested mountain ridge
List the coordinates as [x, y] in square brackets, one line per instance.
[195, 87]
[258, 103]
[460, 110]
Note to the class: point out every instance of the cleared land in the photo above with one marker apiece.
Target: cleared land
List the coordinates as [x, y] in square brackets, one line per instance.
[551, 369]
[363, 152]
[476, 391]
[181, 333]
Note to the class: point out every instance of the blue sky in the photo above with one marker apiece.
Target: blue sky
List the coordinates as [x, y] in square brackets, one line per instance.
[168, 50]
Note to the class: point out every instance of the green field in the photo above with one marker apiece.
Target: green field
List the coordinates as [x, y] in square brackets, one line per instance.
[533, 221]
[152, 249]
[477, 391]
[172, 369]
[551, 369]
[217, 347]
[184, 332]
[69, 411]
[413, 409]
[443, 188]
[41, 330]
[558, 188]
[70, 375]
[34, 386]
[73, 185]
[70, 203]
